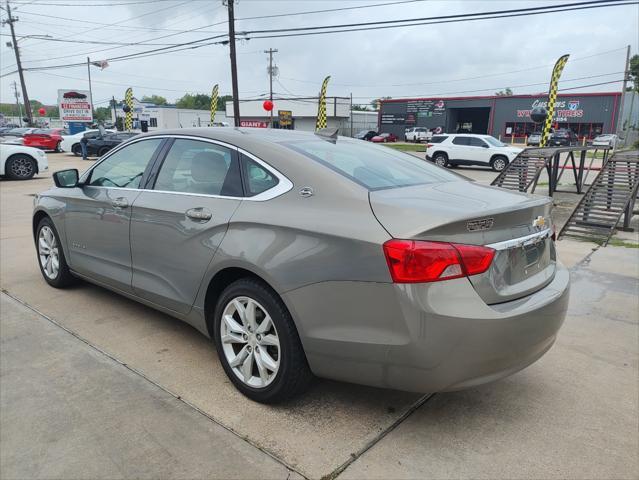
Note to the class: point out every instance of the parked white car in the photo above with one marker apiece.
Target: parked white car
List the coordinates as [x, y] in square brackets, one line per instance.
[448, 150]
[18, 162]
[606, 140]
[71, 143]
[418, 134]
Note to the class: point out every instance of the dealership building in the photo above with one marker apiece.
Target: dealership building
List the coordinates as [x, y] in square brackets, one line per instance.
[586, 114]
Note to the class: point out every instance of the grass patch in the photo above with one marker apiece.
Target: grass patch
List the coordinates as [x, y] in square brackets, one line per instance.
[407, 147]
[623, 243]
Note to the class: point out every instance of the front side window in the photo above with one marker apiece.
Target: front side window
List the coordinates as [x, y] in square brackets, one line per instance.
[193, 166]
[476, 142]
[370, 166]
[496, 143]
[125, 167]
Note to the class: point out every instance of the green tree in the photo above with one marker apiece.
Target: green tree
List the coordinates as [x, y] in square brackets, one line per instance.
[154, 99]
[504, 93]
[103, 114]
[361, 108]
[375, 103]
[634, 72]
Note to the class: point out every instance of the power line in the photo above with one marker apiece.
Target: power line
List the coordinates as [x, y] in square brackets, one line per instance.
[572, 60]
[358, 7]
[465, 17]
[435, 20]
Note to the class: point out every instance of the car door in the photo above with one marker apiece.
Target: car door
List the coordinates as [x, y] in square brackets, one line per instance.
[98, 214]
[459, 149]
[478, 150]
[180, 219]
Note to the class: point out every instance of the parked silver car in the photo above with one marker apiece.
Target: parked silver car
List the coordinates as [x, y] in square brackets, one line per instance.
[302, 254]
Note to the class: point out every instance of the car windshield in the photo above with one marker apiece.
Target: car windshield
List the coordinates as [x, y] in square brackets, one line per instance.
[372, 166]
[494, 142]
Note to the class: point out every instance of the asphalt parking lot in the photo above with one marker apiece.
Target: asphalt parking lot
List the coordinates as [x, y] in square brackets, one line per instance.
[94, 385]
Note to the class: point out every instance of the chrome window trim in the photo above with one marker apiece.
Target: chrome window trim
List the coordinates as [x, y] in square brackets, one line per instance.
[87, 172]
[283, 186]
[522, 241]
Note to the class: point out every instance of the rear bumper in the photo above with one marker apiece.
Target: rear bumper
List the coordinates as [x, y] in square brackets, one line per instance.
[425, 337]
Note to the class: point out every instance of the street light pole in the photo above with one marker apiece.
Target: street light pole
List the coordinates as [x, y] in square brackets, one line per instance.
[236, 97]
[25, 96]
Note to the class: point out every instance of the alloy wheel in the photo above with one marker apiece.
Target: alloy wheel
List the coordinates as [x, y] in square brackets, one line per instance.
[48, 253]
[22, 167]
[499, 164]
[250, 342]
[440, 160]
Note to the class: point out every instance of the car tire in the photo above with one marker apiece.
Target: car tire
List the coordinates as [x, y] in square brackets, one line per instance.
[20, 167]
[499, 163]
[76, 149]
[440, 159]
[103, 151]
[49, 250]
[279, 370]
[57, 148]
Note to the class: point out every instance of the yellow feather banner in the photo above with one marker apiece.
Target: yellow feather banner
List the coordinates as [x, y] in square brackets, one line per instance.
[128, 101]
[214, 94]
[552, 98]
[321, 106]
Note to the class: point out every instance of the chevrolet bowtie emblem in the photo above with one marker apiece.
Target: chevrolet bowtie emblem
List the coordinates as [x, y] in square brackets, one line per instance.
[539, 222]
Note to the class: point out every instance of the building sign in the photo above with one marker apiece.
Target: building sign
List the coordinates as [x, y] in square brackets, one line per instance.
[75, 106]
[564, 110]
[253, 124]
[286, 118]
[393, 119]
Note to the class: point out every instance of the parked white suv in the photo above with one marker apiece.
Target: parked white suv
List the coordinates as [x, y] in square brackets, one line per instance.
[418, 134]
[469, 149]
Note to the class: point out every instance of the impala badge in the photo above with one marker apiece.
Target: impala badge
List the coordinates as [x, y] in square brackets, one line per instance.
[539, 223]
[477, 225]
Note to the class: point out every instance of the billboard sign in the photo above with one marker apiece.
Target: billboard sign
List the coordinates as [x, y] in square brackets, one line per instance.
[286, 118]
[253, 124]
[75, 106]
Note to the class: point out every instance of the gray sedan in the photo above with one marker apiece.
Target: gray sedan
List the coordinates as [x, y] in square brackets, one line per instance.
[306, 254]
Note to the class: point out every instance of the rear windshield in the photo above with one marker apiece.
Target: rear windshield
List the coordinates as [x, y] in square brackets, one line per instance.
[438, 138]
[372, 166]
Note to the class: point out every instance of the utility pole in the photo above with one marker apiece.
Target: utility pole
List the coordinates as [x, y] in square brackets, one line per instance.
[626, 76]
[90, 89]
[236, 97]
[350, 114]
[271, 73]
[115, 114]
[17, 95]
[25, 97]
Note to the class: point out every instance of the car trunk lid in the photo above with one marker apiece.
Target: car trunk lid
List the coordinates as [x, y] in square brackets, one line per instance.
[517, 225]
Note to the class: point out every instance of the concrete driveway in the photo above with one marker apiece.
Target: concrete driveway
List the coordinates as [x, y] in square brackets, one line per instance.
[85, 353]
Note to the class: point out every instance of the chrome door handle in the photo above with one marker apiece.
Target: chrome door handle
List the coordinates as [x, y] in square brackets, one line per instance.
[199, 214]
[120, 202]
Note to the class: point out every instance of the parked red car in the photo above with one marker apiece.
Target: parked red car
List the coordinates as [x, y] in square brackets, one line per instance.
[384, 137]
[44, 139]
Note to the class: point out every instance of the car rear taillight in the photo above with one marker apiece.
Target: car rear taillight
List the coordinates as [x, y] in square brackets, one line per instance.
[428, 145]
[415, 261]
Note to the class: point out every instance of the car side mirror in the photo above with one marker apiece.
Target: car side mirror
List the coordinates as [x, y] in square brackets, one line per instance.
[66, 178]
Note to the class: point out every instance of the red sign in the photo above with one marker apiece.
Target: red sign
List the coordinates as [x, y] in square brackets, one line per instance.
[253, 124]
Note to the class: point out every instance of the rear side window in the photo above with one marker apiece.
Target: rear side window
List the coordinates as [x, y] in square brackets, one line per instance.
[374, 167]
[461, 141]
[192, 166]
[438, 138]
[125, 167]
[257, 179]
